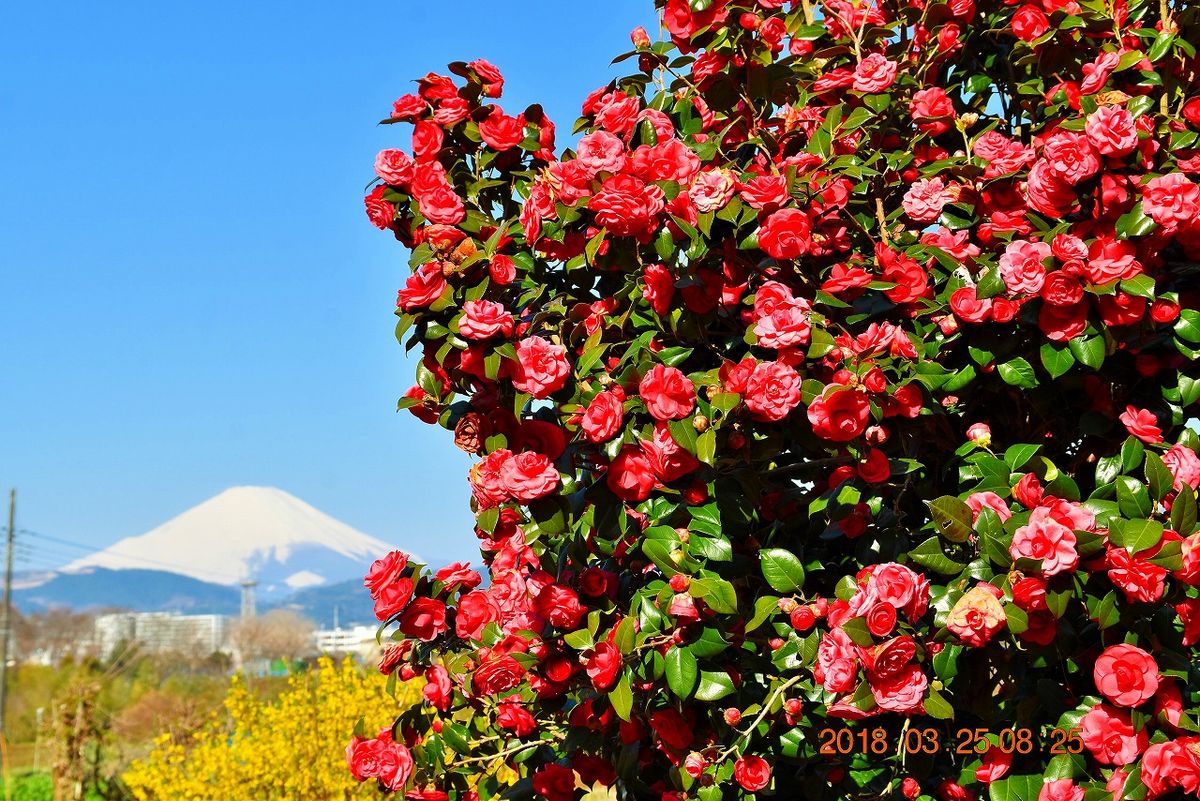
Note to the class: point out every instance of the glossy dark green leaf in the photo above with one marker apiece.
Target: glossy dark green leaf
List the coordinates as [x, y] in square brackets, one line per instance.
[781, 569]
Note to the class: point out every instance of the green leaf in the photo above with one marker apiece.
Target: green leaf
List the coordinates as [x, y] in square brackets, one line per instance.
[938, 707]
[1162, 43]
[1018, 455]
[1088, 350]
[856, 629]
[625, 636]
[580, 639]
[1136, 535]
[714, 685]
[782, 569]
[951, 517]
[1132, 497]
[1183, 511]
[709, 643]
[457, 737]
[1019, 373]
[1057, 360]
[1134, 223]
[682, 671]
[716, 592]
[1016, 788]
[930, 554]
[1141, 286]
[621, 698]
[764, 607]
[1158, 476]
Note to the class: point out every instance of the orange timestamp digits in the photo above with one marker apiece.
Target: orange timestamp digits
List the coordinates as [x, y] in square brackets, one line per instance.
[844, 741]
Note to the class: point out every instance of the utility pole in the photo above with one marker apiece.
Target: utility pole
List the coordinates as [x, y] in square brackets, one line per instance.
[6, 636]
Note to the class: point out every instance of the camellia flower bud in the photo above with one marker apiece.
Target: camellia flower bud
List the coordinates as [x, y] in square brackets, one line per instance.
[980, 434]
[639, 37]
[680, 582]
[733, 716]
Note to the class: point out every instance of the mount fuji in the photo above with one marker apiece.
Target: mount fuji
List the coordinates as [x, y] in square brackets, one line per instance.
[198, 559]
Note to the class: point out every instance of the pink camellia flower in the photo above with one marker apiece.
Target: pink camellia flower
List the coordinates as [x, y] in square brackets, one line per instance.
[924, 200]
[978, 501]
[541, 368]
[1112, 130]
[1109, 735]
[528, 476]
[712, 190]
[1126, 675]
[1023, 266]
[1045, 539]
[977, 615]
[786, 326]
[483, 319]
[1171, 200]
[1071, 157]
[600, 152]
[1061, 790]
[667, 393]
[1184, 466]
[874, 74]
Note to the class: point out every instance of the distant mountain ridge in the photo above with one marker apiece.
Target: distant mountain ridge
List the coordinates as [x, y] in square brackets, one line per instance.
[300, 558]
[261, 533]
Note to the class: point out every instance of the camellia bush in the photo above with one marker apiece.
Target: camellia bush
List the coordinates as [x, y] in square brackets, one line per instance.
[830, 403]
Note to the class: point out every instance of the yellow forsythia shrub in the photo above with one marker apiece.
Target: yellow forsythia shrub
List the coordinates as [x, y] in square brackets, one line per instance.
[291, 748]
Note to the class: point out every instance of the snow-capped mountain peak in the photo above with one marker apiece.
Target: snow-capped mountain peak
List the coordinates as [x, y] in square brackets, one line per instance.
[258, 533]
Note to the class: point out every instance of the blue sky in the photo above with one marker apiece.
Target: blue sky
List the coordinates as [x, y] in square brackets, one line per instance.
[190, 295]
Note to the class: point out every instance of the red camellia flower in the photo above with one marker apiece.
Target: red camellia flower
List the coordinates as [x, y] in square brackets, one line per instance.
[1142, 424]
[512, 716]
[497, 675]
[753, 773]
[424, 618]
[384, 571]
[627, 206]
[603, 417]
[555, 783]
[1126, 675]
[667, 393]
[786, 234]
[840, 415]
[380, 212]
[631, 475]
[603, 666]
[380, 758]
[500, 131]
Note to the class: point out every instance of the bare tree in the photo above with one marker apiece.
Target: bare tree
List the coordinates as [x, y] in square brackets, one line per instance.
[53, 635]
[279, 634]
